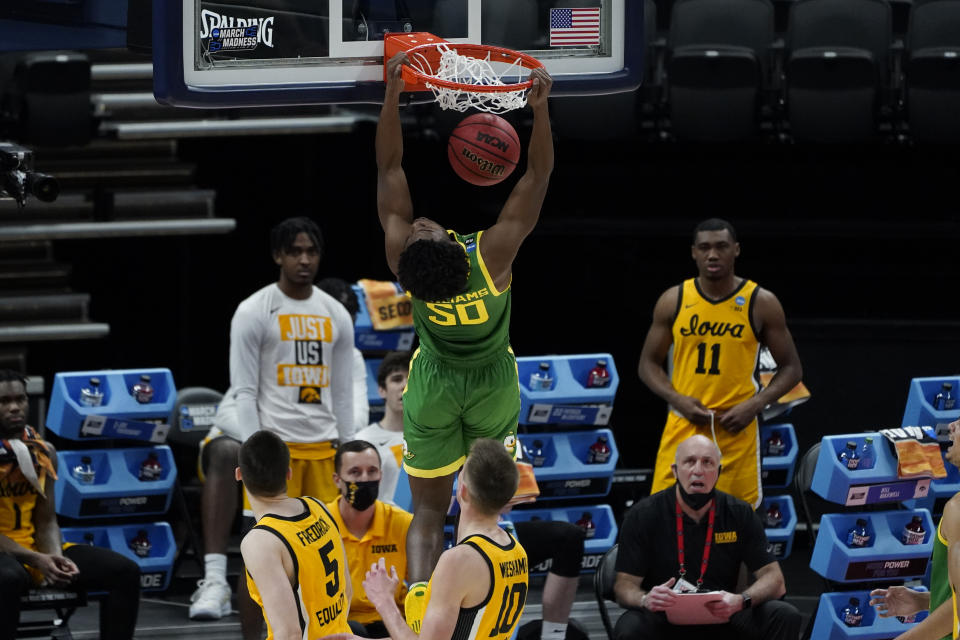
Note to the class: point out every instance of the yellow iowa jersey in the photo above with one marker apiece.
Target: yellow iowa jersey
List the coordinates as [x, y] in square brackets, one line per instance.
[497, 616]
[18, 499]
[715, 347]
[386, 538]
[313, 541]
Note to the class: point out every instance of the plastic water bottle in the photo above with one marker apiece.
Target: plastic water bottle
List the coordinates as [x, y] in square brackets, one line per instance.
[91, 395]
[851, 614]
[913, 532]
[868, 455]
[599, 451]
[151, 469]
[599, 376]
[944, 400]
[858, 536]
[141, 544]
[535, 453]
[586, 523]
[849, 456]
[773, 517]
[142, 391]
[88, 538]
[541, 380]
[775, 445]
[84, 472]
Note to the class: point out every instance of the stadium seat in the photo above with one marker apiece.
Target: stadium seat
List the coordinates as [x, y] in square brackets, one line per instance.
[802, 478]
[838, 67]
[933, 71]
[717, 60]
[603, 581]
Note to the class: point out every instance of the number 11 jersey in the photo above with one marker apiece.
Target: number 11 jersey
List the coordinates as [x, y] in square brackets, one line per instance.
[715, 346]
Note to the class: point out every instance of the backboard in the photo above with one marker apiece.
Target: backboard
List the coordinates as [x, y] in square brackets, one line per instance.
[281, 52]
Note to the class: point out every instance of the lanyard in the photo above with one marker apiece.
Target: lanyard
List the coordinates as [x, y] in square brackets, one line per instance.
[706, 545]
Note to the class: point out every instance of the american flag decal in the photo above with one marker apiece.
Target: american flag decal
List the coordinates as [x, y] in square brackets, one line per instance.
[574, 27]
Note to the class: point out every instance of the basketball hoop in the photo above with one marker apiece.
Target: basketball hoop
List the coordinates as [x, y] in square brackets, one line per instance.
[462, 76]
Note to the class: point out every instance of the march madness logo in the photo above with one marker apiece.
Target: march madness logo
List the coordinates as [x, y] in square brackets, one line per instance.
[227, 33]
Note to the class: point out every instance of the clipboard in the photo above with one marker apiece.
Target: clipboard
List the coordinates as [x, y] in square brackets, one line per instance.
[690, 608]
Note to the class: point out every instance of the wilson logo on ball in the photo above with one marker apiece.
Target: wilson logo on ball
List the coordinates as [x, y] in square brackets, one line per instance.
[483, 149]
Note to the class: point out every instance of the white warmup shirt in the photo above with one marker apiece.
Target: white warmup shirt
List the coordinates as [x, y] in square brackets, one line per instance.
[390, 446]
[291, 366]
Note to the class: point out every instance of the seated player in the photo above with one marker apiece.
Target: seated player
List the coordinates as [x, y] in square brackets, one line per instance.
[32, 553]
[296, 564]
[371, 529]
[479, 587]
[387, 434]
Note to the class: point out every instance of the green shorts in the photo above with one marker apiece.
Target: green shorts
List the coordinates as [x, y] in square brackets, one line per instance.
[446, 408]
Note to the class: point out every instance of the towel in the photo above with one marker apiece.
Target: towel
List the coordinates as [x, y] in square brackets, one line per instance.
[28, 456]
[388, 305]
[918, 452]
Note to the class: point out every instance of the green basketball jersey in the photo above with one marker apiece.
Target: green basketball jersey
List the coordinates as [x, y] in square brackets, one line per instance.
[940, 590]
[471, 327]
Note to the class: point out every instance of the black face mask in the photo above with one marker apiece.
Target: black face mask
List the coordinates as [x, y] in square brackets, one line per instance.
[696, 501]
[361, 495]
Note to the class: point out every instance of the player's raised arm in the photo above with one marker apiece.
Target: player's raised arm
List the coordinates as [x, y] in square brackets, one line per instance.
[519, 215]
[394, 205]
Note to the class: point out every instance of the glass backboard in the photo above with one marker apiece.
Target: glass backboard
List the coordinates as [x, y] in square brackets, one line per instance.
[281, 52]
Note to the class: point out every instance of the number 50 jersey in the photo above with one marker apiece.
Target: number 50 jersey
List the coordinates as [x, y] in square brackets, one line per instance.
[473, 326]
[496, 617]
[314, 543]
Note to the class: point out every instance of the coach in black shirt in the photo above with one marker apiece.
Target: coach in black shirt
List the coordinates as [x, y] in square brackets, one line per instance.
[651, 568]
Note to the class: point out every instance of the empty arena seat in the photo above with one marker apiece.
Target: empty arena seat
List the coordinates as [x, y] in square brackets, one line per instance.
[933, 71]
[717, 59]
[838, 64]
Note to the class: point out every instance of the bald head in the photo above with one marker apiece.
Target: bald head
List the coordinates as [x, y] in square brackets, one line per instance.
[697, 464]
[698, 444]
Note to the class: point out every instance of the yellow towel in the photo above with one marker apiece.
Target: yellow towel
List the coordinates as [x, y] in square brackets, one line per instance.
[388, 305]
[918, 452]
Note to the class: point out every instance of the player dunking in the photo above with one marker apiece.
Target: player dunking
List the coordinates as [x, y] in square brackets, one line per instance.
[460, 287]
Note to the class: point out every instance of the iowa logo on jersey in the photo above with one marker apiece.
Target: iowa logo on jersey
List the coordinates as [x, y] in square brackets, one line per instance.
[310, 395]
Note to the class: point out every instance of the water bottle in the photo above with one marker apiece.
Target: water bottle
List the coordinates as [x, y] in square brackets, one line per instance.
[599, 451]
[599, 376]
[535, 453]
[586, 523]
[540, 380]
[849, 456]
[142, 391]
[141, 544]
[913, 532]
[944, 400]
[92, 395]
[773, 517]
[88, 538]
[151, 469]
[851, 614]
[775, 445]
[868, 456]
[858, 536]
[84, 472]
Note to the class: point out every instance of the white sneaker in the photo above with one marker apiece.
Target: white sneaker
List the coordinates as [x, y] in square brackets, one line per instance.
[211, 600]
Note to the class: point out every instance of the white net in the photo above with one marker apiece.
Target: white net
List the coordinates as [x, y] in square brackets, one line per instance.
[478, 72]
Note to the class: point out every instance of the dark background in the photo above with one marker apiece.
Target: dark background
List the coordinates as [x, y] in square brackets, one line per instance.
[858, 243]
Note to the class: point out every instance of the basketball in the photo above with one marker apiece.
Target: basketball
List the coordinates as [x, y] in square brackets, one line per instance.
[483, 149]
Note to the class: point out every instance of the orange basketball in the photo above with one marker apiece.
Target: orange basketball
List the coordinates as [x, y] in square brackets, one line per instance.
[483, 149]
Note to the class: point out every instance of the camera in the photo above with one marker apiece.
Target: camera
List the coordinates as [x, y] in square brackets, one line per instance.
[18, 179]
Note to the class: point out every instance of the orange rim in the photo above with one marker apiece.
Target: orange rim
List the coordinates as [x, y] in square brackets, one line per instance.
[508, 55]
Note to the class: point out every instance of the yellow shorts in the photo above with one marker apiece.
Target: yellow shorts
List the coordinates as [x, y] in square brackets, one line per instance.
[740, 476]
[312, 466]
